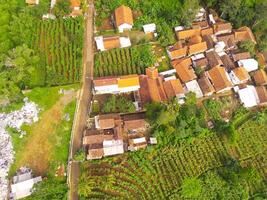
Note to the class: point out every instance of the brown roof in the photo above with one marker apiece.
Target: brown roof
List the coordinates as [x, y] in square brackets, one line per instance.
[173, 88]
[143, 91]
[241, 73]
[112, 42]
[105, 81]
[228, 39]
[260, 77]
[184, 34]
[208, 39]
[123, 14]
[96, 139]
[202, 24]
[205, 85]
[107, 121]
[218, 78]
[202, 62]
[214, 59]
[261, 59]
[222, 26]
[152, 72]
[135, 124]
[75, 3]
[95, 153]
[156, 91]
[178, 53]
[197, 48]
[195, 39]
[262, 94]
[207, 31]
[243, 34]
[227, 62]
[241, 56]
[184, 70]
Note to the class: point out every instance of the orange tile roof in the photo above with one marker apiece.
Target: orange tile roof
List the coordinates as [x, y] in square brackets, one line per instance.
[123, 14]
[184, 34]
[241, 56]
[213, 58]
[207, 31]
[260, 77]
[197, 48]
[156, 91]
[218, 78]
[152, 72]
[261, 59]
[195, 39]
[173, 88]
[75, 3]
[184, 70]
[241, 73]
[178, 53]
[243, 34]
[112, 42]
[128, 81]
[105, 81]
[106, 122]
[31, 2]
[262, 94]
[222, 26]
[205, 85]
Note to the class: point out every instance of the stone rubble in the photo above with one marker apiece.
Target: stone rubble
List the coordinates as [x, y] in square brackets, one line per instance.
[28, 114]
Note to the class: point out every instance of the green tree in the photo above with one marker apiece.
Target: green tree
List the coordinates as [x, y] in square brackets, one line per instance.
[191, 188]
[248, 46]
[62, 8]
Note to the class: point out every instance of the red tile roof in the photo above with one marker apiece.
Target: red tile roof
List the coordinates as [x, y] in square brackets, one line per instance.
[123, 14]
[173, 88]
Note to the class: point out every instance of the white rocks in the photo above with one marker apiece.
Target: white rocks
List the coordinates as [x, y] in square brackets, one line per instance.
[28, 114]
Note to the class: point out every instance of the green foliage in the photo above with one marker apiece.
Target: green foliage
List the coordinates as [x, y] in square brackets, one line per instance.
[62, 8]
[118, 103]
[248, 46]
[191, 188]
[124, 61]
[50, 188]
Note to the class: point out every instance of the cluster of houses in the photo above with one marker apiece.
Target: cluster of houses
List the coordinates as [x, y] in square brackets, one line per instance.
[123, 21]
[113, 134]
[206, 60]
[75, 6]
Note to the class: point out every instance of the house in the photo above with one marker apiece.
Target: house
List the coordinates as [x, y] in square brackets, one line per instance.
[219, 79]
[227, 62]
[260, 77]
[23, 184]
[103, 122]
[228, 39]
[107, 43]
[197, 48]
[213, 59]
[75, 7]
[192, 86]
[201, 15]
[177, 53]
[261, 59]
[201, 63]
[207, 31]
[205, 85]
[239, 75]
[209, 41]
[248, 96]
[137, 143]
[262, 95]
[151, 86]
[201, 24]
[173, 88]
[184, 69]
[185, 34]
[113, 147]
[244, 34]
[32, 2]
[241, 56]
[149, 28]
[123, 18]
[249, 64]
[195, 40]
[222, 28]
[116, 85]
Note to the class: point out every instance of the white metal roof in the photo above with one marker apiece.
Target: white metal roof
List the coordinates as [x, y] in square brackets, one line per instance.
[149, 28]
[139, 140]
[125, 41]
[249, 64]
[248, 96]
[112, 147]
[193, 86]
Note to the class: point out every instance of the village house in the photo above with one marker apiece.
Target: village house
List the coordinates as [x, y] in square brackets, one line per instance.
[149, 28]
[116, 85]
[75, 8]
[239, 75]
[206, 86]
[262, 95]
[192, 86]
[123, 18]
[244, 34]
[184, 69]
[249, 64]
[106, 43]
[260, 77]
[248, 96]
[241, 56]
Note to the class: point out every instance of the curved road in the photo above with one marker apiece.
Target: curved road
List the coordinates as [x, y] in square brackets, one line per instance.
[83, 103]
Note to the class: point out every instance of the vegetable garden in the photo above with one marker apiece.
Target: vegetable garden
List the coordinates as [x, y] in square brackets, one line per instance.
[159, 174]
[123, 61]
[60, 43]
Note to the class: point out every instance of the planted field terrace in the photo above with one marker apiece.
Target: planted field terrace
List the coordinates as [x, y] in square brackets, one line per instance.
[123, 61]
[60, 43]
[154, 174]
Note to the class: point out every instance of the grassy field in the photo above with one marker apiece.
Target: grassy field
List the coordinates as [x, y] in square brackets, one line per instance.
[45, 146]
[153, 174]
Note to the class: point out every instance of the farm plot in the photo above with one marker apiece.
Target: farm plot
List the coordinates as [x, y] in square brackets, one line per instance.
[123, 61]
[60, 44]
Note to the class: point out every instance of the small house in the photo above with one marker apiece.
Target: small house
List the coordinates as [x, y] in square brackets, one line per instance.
[123, 18]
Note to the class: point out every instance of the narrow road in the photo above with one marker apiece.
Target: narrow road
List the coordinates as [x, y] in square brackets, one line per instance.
[83, 103]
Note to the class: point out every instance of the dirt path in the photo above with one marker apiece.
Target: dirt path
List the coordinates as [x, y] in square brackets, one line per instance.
[37, 154]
